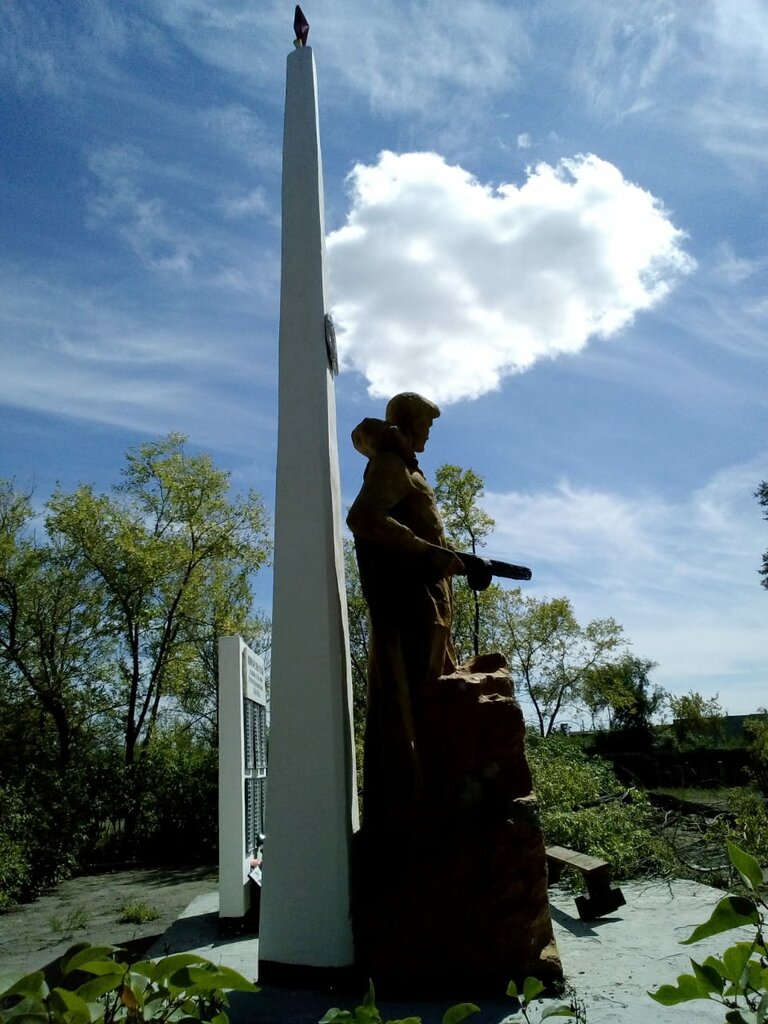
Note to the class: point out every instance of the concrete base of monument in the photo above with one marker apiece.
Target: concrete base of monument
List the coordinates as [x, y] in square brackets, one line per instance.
[445, 916]
[457, 896]
[305, 976]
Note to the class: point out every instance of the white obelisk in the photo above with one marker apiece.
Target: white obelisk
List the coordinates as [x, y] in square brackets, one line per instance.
[311, 804]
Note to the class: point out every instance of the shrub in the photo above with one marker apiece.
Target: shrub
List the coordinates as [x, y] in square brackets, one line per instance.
[178, 809]
[565, 777]
[15, 866]
[749, 828]
[757, 731]
[31, 854]
[567, 781]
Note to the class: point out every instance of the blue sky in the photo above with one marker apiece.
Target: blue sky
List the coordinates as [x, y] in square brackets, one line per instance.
[549, 216]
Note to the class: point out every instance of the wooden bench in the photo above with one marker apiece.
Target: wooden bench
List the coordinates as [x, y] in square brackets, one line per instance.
[601, 898]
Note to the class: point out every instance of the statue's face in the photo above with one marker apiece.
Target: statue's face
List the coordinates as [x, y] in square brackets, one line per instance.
[420, 428]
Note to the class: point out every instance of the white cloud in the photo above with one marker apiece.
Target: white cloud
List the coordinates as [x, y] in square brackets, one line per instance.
[681, 577]
[445, 285]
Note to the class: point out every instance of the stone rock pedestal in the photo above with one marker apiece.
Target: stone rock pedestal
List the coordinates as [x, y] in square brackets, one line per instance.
[454, 900]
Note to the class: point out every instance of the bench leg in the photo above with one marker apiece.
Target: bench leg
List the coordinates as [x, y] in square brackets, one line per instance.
[554, 870]
[601, 900]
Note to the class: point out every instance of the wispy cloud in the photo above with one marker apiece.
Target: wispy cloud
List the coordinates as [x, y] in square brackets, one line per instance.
[249, 204]
[702, 69]
[143, 221]
[179, 226]
[424, 58]
[680, 576]
[244, 133]
[622, 53]
[404, 58]
[81, 354]
[50, 49]
[466, 284]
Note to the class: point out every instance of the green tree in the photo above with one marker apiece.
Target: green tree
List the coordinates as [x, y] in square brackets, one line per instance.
[109, 619]
[762, 496]
[623, 690]
[697, 720]
[457, 492]
[171, 552]
[756, 729]
[357, 612]
[54, 704]
[550, 653]
[54, 649]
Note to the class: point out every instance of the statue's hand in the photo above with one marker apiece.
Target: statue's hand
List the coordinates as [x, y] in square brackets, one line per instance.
[443, 561]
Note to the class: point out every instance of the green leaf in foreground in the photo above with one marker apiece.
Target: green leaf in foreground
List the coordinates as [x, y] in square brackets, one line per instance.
[81, 956]
[32, 986]
[730, 912]
[746, 865]
[558, 1011]
[735, 959]
[687, 988]
[709, 976]
[459, 1012]
[336, 1016]
[532, 988]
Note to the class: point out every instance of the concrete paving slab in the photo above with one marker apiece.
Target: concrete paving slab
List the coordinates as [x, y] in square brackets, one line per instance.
[611, 963]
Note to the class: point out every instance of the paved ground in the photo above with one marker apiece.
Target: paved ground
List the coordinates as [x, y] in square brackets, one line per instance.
[611, 963]
[34, 935]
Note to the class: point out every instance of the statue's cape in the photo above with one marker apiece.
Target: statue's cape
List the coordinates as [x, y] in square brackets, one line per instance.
[372, 437]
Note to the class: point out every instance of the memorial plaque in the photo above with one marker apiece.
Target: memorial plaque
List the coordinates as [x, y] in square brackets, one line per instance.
[242, 773]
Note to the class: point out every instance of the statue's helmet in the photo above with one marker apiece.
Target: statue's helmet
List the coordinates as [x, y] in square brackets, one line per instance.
[407, 407]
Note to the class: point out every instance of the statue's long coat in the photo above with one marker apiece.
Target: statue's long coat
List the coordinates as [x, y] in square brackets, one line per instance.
[395, 519]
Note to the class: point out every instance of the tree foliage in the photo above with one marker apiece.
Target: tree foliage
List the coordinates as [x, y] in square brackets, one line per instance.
[53, 643]
[762, 496]
[551, 655]
[110, 606]
[696, 719]
[357, 613]
[171, 554]
[756, 729]
[622, 688]
[457, 492]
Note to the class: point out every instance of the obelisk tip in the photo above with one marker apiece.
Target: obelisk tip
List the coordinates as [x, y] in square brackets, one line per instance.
[300, 27]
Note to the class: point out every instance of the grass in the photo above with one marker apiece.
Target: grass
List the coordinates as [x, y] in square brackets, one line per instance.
[76, 919]
[717, 797]
[137, 913]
